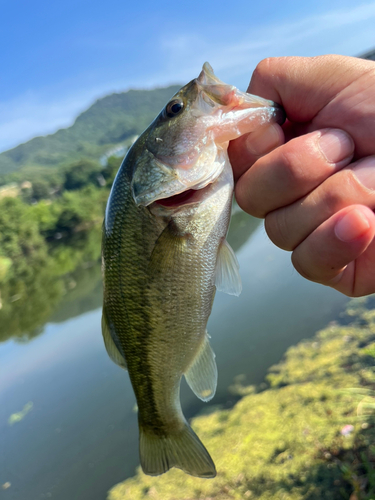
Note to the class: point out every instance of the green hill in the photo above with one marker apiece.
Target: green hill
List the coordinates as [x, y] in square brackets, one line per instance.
[109, 121]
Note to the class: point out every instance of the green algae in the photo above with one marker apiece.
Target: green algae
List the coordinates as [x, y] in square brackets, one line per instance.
[308, 435]
[17, 417]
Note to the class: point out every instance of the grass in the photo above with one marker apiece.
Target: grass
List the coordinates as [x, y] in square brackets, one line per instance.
[308, 435]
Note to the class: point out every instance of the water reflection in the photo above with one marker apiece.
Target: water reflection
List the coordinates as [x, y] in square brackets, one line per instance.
[32, 299]
[85, 293]
[37, 292]
[242, 226]
[81, 436]
[27, 303]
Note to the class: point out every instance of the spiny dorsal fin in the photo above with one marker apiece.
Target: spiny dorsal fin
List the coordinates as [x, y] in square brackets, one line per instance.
[112, 350]
[227, 278]
[202, 373]
[169, 247]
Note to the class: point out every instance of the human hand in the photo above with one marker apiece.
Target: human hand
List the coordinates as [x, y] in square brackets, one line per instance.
[313, 179]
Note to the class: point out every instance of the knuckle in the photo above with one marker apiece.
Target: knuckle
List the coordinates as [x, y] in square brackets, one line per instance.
[263, 67]
[341, 190]
[294, 166]
[302, 268]
[264, 71]
[332, 200]
[245, 202]
[277, 229]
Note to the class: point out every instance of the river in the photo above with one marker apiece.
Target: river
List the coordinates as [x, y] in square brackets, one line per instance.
[68, 422]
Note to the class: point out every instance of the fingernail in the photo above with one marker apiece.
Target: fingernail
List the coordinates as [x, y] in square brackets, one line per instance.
[336, 145]
[351, 226]
[264, 140]
[365, 172]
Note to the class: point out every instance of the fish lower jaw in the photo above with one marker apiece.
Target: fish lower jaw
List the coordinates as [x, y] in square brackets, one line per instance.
[187, 197]
[178, 200]
[193, 194]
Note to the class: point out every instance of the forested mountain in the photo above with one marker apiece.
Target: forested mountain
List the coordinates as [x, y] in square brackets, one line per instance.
[109, 121]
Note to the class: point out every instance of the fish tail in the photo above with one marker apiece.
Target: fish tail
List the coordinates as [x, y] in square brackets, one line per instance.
[182, 449]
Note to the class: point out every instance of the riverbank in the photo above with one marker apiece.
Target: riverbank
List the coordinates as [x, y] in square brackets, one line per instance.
[308, 434]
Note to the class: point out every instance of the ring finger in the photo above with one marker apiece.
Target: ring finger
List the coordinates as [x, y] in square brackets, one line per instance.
[287, 227]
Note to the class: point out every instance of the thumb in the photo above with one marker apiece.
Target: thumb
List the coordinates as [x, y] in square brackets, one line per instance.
[305, 85]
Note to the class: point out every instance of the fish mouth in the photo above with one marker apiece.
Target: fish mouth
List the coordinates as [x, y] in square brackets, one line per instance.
[178, 200]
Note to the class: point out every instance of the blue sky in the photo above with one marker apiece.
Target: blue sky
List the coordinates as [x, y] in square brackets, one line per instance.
[57, 58]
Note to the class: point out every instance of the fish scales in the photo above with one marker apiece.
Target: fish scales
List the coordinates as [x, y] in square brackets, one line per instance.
[164, 256]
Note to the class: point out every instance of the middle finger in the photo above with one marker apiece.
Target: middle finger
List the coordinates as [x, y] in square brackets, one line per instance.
[287, 227]
[293, 170]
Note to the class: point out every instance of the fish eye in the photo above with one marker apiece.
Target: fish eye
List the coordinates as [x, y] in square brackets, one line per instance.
[174, 107]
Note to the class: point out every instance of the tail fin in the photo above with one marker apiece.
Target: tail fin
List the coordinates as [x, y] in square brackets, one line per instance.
[183, 450]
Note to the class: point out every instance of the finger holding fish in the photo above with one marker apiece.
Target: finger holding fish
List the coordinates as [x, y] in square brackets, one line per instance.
[330, 109]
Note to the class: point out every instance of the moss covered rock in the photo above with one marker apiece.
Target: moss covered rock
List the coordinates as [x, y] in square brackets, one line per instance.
[308, 435]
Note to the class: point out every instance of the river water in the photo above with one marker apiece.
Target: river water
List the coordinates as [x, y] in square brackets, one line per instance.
[68, 423]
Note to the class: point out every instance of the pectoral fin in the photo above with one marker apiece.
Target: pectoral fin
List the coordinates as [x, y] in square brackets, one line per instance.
[227, 277]
[109, 343]
[202, 374]
[169, 248]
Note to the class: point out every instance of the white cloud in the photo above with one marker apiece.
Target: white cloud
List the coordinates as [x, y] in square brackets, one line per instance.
[348, 31]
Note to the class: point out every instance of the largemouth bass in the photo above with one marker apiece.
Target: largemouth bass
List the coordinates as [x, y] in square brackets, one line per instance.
[164, 255]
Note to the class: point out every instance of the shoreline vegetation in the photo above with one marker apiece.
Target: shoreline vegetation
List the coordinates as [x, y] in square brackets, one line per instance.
[50, 233]
[310, 434]
[50, 244]
[53, 192]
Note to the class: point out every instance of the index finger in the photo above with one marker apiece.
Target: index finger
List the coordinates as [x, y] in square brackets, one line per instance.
[321, 92]
[248, 148]
[305, 85]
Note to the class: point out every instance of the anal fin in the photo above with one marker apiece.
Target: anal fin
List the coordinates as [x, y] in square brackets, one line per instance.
[227, 278]
[202, 373]
[109, 343]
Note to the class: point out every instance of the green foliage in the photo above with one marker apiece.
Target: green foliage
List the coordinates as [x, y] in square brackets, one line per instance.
[22, 293]
[54, 226]
[5, 265]
[39, 245]
[110, 120]
[40, 190]
[81, 173]
[302, 438]
[20, 239]
[110, 171]
[79, 209]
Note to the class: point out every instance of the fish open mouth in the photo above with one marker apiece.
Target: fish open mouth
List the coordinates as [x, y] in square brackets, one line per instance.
[178, 199]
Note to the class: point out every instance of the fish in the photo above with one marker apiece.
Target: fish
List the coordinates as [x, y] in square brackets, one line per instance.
[164, 255]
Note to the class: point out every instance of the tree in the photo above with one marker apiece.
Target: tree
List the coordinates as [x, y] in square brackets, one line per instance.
[110, 170]
[81, 174]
